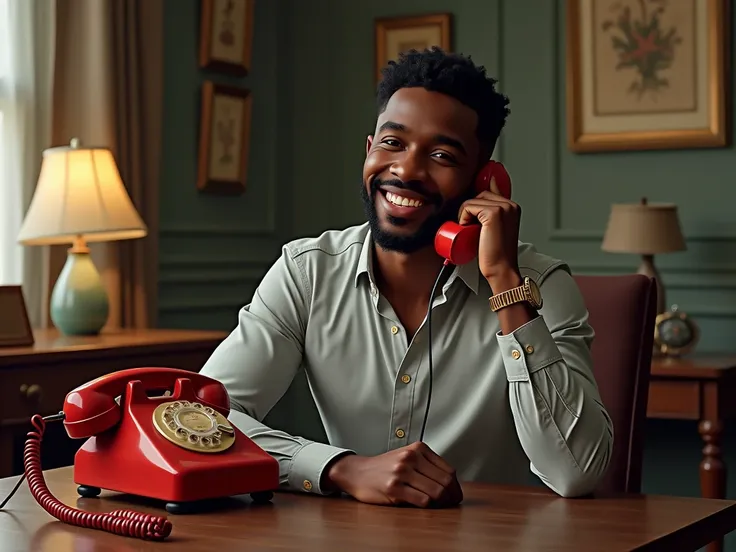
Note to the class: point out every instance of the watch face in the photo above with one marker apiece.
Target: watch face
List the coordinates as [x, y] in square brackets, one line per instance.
[535, 293]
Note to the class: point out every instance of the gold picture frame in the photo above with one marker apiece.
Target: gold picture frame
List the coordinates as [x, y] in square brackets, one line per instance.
[224, 140]
[15, 326]
[627, 90]
[226, 36]
[399, 34]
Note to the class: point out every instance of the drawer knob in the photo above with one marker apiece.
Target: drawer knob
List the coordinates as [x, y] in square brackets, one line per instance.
[31, 393]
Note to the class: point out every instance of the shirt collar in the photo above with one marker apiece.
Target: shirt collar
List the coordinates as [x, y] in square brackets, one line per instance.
[469, 273]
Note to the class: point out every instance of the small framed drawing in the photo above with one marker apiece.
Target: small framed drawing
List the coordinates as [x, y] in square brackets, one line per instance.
[15, 327]
[646, 74]
[224, 138]
[226, 36]
[400, 34]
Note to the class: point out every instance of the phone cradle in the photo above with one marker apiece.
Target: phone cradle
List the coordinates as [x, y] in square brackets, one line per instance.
[176, 449]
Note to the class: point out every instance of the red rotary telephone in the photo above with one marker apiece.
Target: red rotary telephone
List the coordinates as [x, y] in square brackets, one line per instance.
[458, 244]
[180, 448]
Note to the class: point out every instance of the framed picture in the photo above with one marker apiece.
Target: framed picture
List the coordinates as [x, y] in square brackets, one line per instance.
[15, 327]
[400, 34]
[226, 36]
[224, 138]
[646, 74]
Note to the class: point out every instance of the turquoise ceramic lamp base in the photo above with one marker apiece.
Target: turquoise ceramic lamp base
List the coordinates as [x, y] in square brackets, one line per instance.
[79, 304]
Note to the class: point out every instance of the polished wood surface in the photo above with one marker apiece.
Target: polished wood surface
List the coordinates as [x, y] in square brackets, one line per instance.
[490, 518]
[35, 379]
[698, 388]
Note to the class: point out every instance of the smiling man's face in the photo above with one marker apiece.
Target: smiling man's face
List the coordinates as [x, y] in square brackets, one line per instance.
[419, 167]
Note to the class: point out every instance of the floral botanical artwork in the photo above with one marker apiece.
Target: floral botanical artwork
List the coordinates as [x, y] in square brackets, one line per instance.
[643, 43]
[396, 35]
[226, 32]
[227, 131]
[226, 35]
[645, 56]
[646, 74]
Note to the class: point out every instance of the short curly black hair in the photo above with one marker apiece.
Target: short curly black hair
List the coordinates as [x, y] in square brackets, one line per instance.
[452, 74]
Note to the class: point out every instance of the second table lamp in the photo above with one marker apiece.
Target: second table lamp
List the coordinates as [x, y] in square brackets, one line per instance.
[646, 229]
[80, 198]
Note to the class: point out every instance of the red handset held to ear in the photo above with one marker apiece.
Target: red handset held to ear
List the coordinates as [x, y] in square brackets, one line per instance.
[458, 244]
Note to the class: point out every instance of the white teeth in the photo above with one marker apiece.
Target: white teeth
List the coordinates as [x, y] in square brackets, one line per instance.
[403, 201]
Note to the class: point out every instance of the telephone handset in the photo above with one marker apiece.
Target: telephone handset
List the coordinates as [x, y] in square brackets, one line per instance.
[458, 244]
[179, 448]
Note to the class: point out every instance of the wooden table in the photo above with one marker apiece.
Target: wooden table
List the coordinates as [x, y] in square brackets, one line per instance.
[701, 389]
[490, 518]
[35, 379]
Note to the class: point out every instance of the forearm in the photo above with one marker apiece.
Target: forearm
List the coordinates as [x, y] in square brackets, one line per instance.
[561, 423]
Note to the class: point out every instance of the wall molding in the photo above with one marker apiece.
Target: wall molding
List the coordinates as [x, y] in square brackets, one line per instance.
[188, 263]
[230, 306]
[217, 232]
[207, 278]
[556, 232]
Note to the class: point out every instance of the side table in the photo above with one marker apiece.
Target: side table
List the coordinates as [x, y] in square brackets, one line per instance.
[698, 388]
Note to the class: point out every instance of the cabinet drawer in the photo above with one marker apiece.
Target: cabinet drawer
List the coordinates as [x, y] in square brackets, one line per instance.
[41, 389]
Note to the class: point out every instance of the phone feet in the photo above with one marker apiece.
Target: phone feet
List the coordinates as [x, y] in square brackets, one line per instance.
[88, 492]
[262, 497]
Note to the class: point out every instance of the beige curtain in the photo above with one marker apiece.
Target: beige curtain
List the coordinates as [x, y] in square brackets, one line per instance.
[107, 92]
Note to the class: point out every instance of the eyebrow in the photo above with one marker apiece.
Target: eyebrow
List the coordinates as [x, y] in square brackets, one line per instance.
[440, 138]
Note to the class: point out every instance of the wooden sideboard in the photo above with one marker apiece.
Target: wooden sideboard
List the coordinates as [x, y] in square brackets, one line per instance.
[704, 389]
[35, 379]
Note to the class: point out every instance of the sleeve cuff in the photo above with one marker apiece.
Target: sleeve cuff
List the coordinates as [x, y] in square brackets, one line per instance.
[528, 349]
[308, 465]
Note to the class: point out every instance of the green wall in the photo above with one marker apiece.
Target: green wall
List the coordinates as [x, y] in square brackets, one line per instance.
[313, 86]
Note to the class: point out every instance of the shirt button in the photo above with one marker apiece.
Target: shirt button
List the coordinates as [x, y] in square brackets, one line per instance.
[307, 485]
[374, 291]
[394, 330]
[529, 349]
[516, 354]
[406, 378]
[400, 433]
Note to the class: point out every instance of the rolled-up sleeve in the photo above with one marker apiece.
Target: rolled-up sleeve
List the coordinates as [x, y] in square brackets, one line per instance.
[560, 419]
[257, 363]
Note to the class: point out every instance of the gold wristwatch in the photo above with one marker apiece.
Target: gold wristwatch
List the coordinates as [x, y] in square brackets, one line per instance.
[528, 291]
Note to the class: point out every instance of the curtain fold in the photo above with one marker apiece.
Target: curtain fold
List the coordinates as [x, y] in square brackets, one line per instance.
[26, 52]
[107, 92]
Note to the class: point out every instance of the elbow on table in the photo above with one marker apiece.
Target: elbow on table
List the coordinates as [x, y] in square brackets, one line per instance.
[576, 481]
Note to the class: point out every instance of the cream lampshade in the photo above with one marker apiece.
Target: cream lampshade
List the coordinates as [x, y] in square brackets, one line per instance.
[646, 229]
[79, 198]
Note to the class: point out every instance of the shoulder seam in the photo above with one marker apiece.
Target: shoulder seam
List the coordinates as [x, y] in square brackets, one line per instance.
[315, 247]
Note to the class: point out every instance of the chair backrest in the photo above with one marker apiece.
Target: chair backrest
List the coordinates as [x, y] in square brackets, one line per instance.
[622, 310]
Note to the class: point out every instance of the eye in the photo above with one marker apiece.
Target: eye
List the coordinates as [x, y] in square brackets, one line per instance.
[391, 142]
[444, 156]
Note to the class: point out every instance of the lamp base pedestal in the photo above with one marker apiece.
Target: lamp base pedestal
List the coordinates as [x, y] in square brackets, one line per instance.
[79, 304]
[647, 268]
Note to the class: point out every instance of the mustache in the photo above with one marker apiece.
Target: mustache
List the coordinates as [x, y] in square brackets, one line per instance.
[411, 185]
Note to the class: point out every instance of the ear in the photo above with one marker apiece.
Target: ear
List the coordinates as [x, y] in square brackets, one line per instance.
[368, 143]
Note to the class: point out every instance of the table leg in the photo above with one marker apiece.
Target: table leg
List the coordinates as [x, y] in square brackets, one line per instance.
[712, 468]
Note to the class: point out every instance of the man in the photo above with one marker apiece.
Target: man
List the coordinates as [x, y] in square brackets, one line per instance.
[511, 385]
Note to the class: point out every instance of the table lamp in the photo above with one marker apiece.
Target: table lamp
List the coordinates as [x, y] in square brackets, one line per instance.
[645, 229]
[79, 198]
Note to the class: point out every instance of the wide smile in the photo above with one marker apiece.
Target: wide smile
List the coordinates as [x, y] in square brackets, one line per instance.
[400, 206]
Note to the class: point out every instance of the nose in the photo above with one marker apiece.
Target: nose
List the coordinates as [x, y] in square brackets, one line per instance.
[410, 166]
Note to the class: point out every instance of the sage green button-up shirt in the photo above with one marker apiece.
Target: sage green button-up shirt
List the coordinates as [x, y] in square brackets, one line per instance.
[499, 402]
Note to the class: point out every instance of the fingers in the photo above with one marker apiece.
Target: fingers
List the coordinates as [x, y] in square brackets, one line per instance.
[482, 208]
[421, 477]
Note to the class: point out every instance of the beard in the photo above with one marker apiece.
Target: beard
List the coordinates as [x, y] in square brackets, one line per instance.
[384, 238]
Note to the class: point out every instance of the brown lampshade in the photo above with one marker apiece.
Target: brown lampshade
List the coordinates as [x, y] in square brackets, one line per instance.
[643, 228]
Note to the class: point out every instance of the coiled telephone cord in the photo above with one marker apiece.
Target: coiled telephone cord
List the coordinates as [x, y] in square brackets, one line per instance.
[127, 523]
